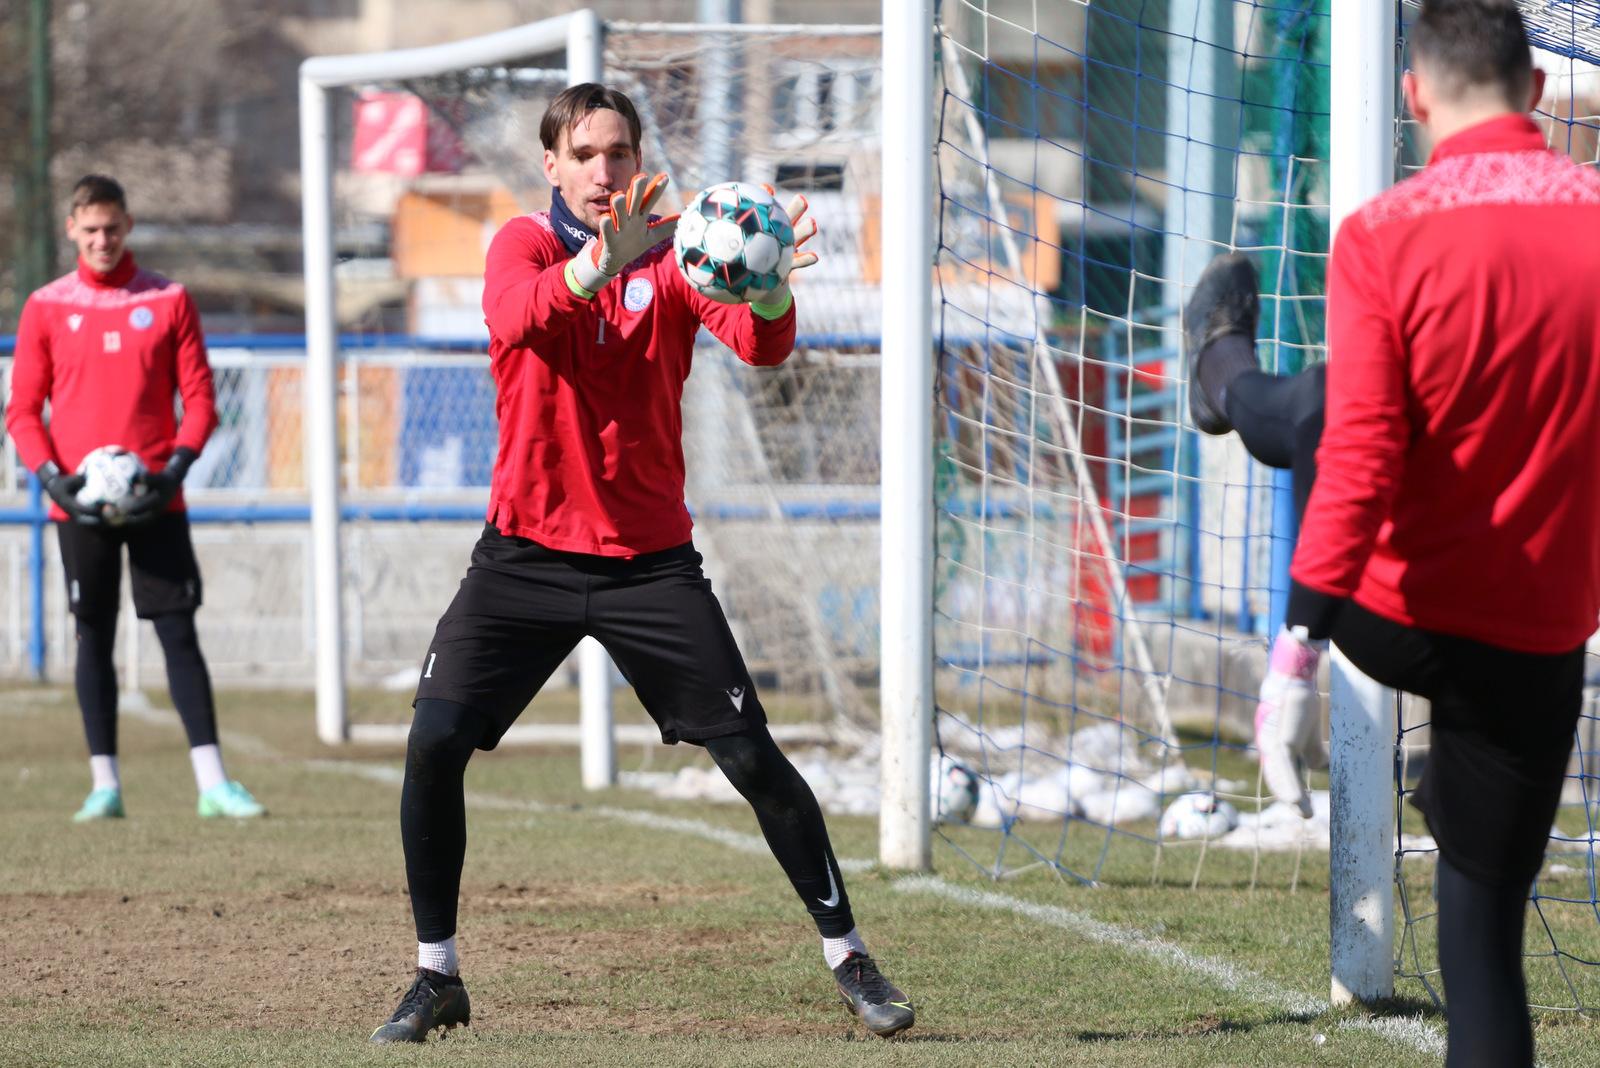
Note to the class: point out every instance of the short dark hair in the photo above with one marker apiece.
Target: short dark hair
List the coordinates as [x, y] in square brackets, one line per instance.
[1475, 44]
[568, 109]
[97, 189]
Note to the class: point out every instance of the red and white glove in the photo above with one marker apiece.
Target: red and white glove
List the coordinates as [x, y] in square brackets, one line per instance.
[771, 303]
[1288, 727]
[626, 233]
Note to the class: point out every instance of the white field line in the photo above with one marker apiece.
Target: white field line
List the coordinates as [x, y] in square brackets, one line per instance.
[1412, 1031]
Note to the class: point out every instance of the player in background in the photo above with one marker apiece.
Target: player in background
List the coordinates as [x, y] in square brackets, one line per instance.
[1446, 460]
[108, 346]
[591, 335]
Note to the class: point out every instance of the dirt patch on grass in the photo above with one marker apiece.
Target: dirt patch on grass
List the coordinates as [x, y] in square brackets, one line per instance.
[326, 957]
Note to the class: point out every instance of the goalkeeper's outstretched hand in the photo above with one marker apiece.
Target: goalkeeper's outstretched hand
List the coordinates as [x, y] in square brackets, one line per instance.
[1288, 728]
[773, 302]
[626, 233]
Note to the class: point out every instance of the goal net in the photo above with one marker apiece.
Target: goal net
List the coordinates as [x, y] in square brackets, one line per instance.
[1107, 579]
[1105, 575]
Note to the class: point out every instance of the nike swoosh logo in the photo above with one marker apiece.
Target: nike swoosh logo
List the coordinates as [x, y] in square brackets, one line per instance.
[901, 1005]
[833, 888]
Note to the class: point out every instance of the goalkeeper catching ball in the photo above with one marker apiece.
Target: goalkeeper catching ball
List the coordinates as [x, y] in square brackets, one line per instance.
[592, 330]
[1446, 464]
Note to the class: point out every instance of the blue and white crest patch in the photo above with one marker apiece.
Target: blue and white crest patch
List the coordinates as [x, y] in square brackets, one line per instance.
[141, 318]
[636, 297]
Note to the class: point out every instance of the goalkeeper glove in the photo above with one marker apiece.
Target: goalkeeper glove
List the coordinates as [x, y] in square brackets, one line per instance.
[1287, 725]
[63, 489]
[626, 233]
[160, 487]
[771, 303]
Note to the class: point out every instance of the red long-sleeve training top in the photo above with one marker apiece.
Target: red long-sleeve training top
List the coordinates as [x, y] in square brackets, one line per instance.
[1458, 479]
[588, 391]
[109, 351]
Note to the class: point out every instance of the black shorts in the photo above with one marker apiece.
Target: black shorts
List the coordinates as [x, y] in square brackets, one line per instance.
[166, 576]
[1502, 733]
[522, 608]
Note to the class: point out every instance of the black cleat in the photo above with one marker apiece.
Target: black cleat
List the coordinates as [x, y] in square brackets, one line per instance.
[882, 1006]
[434, 1000]
[1225, 301]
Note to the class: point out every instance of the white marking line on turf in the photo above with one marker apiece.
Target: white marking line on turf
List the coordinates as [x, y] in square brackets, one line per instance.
[1409, 1031]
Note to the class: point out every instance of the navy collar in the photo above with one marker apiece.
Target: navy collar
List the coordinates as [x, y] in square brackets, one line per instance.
[569, 228]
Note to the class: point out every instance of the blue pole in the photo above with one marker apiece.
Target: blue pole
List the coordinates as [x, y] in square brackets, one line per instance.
[37, 521]
[1285, 528]
[1246, 614]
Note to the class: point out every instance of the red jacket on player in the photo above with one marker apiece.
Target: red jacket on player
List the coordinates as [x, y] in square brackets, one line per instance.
[588, 391]
[109, 351]
[1458, 479]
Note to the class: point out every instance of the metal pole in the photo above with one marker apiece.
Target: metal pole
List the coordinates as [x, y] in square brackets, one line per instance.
[1361, 713]
[37, 226]
[718, 108]
[321, 408]
[905, 826]
[36, 214]
[596, 718]
[1201, 117]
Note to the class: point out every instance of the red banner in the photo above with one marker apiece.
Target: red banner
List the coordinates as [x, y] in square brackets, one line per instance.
[395, 133]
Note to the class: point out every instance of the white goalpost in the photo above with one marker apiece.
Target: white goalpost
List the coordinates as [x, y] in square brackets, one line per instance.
[747, 475]
[579, 35]
[1361, 719]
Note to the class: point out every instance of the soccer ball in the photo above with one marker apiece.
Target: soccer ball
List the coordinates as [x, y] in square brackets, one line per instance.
[1198, 815]
[113, 477]
[955, 791]
[732, 238]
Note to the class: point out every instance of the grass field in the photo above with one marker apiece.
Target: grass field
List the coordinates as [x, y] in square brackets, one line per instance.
[611, 929]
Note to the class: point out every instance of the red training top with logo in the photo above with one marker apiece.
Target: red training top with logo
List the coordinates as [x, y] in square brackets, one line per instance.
[1458, 479]
[588, 391]
[109, 351]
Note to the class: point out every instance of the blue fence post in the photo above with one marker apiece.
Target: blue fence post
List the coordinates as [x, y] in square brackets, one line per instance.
[1285, 528]
[37, 521]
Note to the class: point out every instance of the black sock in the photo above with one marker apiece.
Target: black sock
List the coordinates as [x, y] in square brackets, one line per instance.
[1480, 961]
[433, 811]
[96, 679]
[188, 678]
[791, 822]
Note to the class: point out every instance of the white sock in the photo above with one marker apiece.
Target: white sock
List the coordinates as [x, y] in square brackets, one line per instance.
[207, 763]
[103, 770]
[835, 950]
[439, 956]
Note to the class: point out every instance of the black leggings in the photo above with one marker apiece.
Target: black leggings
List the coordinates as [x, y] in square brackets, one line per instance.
[1502, 729]
[188, 679]
[1279, 419]
[433, 817]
